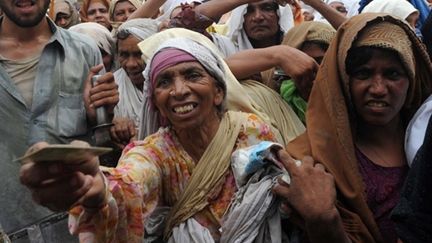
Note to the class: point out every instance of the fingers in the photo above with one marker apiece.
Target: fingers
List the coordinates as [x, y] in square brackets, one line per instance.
[132, 129]
[62, 194]
[285, 208]
[37, 146]
[288, 162]
[281, 190]
[113, 133]
[80, 143]
[123, 130]
[96, 69]
[308, 161]
[319, 166]
[104, 92]
[36, 174]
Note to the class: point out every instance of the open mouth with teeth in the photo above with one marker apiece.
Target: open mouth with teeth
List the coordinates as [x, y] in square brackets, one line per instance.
[184, 109]
[378, 104]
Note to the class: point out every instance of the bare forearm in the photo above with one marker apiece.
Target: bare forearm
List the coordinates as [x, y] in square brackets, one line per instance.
[327, 228]
[215, 9]
[331, 15]
[246, 63]
[149, 9]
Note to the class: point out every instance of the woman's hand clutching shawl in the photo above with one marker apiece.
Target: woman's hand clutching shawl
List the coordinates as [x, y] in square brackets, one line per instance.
[311, 195]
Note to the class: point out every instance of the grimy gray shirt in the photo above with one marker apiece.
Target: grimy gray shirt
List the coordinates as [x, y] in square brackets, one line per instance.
[57, 115]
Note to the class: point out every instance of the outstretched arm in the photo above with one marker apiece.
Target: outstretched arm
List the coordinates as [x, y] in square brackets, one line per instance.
[296, 64]
[330, 14]
[148, 9]
[215, 9]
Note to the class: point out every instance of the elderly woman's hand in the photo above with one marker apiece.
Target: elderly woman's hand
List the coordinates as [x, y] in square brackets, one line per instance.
[311, 193]
[61, 185]
[123, 132]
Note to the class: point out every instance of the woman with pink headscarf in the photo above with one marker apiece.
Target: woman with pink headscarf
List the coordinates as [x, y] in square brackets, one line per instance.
[182, 171]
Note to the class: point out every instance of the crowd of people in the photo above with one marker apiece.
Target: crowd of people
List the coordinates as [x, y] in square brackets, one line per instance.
[229, 120]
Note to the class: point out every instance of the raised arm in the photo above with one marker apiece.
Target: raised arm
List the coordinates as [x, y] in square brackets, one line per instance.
[293, 62]
[148, 9]
[215, 9]
[330, 14]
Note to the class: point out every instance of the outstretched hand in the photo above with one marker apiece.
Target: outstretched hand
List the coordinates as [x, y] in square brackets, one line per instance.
[61, 185]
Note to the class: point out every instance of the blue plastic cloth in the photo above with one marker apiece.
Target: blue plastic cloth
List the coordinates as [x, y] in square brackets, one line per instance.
[423, 9]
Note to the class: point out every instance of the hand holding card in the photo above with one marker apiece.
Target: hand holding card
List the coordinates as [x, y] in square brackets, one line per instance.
[64, 152]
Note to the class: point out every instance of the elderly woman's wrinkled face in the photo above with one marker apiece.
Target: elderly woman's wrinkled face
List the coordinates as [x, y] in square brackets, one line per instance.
[98, 12]
[187, 95]
[129, 56]
[379, 88]
[123, 10]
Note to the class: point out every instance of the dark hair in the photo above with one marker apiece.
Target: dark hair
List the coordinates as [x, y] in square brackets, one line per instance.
[123, 34]
[322, 45]
[358, 56]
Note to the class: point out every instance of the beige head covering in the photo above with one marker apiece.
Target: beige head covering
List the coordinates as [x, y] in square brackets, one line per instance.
[398, 8]
[141, 28]
[64, 6]
[309, 31]
[99, 33]
[329, 122]
[113, 4]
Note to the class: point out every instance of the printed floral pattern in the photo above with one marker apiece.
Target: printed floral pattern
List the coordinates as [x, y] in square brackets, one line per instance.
[151, 173]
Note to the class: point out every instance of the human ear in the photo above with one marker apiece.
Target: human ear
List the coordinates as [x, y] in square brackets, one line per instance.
[219, 96]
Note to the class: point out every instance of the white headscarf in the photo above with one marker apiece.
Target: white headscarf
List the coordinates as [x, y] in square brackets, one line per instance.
[237, 33]
[98, 33]
[416, 130]
[169, 5]
[131, 98]
[141, 28]
[351, 6]
[398, 8]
